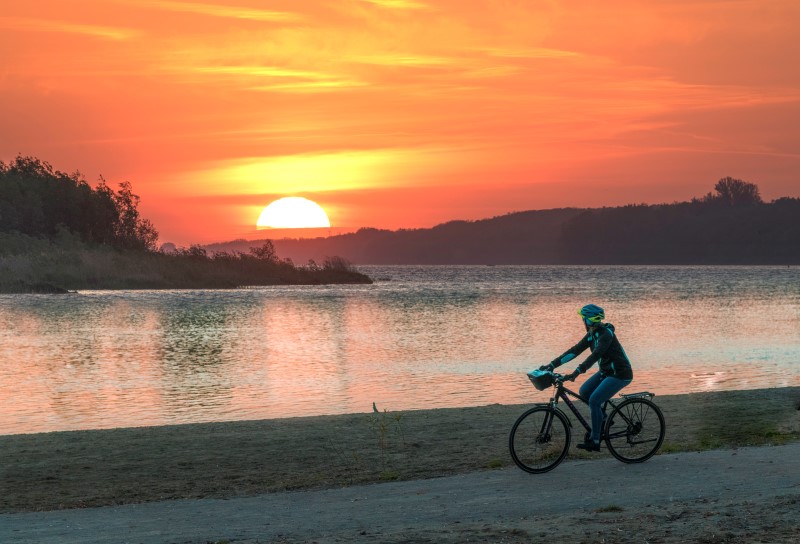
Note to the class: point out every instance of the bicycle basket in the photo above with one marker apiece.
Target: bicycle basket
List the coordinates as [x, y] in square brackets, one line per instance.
[541, 379]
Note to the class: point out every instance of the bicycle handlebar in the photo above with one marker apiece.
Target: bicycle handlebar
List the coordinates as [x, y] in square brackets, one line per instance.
[558, 378]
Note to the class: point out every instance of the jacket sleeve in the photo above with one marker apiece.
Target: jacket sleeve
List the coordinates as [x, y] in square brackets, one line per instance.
[603, 343]
[571, 353]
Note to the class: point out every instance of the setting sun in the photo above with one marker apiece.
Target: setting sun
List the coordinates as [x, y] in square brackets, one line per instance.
[293, 212]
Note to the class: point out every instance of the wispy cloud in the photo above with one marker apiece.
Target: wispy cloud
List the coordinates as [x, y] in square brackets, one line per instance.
[529, 53]
[310, 86]
[398, 4]
[401, 60]
[261, 71]
[279, 78]
[490, 72]
[45, 25]
[346, 169]
[217, 10]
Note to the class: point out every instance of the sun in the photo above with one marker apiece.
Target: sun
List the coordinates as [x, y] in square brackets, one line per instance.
[293, 212]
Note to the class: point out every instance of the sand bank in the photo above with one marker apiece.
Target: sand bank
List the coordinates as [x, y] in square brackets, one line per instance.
[76, 469]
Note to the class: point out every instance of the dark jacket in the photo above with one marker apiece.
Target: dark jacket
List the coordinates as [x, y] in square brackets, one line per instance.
[606, 351]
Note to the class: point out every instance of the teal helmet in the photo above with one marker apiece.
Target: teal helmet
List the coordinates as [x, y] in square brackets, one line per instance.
[592, 315]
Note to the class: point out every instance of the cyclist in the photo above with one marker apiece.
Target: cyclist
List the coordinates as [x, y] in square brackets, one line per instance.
[615, 368]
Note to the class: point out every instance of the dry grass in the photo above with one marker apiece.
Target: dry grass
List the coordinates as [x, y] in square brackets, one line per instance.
[49, 267]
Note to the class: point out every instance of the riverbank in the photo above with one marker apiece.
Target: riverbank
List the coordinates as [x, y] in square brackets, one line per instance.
[77, 469]
[52, 268]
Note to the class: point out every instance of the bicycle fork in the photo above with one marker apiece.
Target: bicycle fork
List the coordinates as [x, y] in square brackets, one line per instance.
[547, 424]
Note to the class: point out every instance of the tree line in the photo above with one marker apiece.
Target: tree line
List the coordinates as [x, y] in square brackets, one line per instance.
[58, 233]
[729, 225]
[38, 201]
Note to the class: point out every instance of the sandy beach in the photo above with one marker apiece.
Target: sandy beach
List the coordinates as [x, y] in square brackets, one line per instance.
[79, 469]
[425, 476]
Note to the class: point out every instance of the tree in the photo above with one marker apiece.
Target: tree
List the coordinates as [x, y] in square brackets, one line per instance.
[265, 253]
[100, 215]
[195, 251]
[734, 192]
[132, 232]
[39, 201]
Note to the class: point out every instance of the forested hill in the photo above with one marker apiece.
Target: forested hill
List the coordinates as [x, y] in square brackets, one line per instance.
[732, 225]
[525, 237]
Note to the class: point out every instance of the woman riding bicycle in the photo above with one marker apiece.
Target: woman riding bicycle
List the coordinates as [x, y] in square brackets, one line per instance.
[615, 368]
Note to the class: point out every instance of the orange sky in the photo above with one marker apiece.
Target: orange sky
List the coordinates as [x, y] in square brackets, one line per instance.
[401, 113]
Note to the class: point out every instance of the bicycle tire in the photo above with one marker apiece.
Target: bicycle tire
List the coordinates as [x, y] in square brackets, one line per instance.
[635, 430]
[539, 439]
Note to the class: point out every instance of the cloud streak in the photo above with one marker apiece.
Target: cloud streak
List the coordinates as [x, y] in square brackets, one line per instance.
[219, 10]
[51, 26]
[398, 4]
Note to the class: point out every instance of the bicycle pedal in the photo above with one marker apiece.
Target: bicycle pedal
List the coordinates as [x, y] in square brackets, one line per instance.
[589, 446]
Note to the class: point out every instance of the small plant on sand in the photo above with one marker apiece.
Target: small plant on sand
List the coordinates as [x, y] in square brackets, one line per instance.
[609, 509]
[495, 463]
[383, 423]
[389, 475]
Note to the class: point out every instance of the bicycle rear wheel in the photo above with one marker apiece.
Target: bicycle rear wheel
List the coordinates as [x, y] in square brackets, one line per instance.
[539, 439]
[635, 430]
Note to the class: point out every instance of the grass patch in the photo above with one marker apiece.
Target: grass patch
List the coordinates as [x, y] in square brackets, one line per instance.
[758, 437]
[732, 421]
[669, 447]
[609, 509]
[495, 463]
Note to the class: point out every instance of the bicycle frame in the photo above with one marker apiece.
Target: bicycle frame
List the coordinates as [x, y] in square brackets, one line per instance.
[564, 393]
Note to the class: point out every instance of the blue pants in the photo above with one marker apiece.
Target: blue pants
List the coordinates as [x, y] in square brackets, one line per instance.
[598, 389]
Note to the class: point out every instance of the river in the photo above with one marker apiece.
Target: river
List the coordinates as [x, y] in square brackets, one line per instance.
[419, 337]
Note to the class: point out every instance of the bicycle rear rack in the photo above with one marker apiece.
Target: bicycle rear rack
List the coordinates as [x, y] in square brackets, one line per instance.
[645, 394]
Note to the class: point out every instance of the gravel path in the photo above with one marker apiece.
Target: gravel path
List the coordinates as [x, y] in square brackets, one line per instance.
[712, 496]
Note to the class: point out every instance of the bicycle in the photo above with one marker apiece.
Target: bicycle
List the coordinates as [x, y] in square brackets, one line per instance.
[541, 436]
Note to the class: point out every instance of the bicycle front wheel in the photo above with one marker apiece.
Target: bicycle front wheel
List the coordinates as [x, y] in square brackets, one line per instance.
[635, 430]
[539, 439]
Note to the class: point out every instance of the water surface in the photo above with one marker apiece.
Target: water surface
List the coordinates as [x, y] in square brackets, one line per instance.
[420, 337]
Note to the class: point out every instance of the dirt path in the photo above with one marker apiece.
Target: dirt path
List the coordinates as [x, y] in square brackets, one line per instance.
[742, 495]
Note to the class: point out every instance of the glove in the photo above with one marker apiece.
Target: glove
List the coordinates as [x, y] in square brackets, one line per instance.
[548, 368]
[575, 373]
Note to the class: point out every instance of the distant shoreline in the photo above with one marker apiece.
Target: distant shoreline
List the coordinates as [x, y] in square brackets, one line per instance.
[706, 231]
[52, 269]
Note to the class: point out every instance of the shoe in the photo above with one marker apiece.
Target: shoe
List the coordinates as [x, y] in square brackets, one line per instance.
[589, 445]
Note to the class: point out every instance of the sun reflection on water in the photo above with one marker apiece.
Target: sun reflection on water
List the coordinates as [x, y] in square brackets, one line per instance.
[430, 337]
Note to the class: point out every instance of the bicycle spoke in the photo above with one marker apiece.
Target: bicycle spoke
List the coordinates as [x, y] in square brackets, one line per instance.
[637, 442]
[539, 440]
[638, 430]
